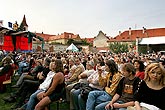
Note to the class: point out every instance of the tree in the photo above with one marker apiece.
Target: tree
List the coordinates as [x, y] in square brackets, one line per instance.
[117, 47]
[70, 41]
[82, 42]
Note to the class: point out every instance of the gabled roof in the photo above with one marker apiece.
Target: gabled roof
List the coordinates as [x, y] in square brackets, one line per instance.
[24, 21]
[101, 33]
[126, 36]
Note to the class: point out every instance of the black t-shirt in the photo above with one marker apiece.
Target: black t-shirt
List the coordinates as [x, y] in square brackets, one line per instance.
[5, 69]
[44, 74]
[151, 96]
[127, 88]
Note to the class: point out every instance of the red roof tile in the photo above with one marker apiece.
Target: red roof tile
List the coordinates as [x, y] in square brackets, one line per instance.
[88, 40]
[65, 35]
[139, 34]
[46, 37]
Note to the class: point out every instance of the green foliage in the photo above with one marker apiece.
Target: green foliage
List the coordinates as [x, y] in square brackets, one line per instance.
[82, 42]
[53, 43]
[70, 41]
[142, 49]
[117, 47]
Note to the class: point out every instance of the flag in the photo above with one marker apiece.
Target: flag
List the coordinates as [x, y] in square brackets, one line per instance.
[30, 37]
[41, 39]
[10, 25]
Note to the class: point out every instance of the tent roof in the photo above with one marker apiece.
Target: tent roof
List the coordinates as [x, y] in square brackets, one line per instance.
[153, 40]
[72, 47]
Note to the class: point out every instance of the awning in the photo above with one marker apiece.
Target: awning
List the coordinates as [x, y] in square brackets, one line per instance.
[153, 40]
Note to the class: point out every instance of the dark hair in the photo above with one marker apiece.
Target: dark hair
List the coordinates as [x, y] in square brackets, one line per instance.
[129, 68]
[58, 66]
[58, 55]
[47, 61]
[113, 68]
[141, 67]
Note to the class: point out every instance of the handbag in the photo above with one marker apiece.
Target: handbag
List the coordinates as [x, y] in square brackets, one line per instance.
[84, 91]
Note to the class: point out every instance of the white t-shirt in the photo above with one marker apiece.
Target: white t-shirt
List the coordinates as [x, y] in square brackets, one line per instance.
[45, 85]
[88, 73]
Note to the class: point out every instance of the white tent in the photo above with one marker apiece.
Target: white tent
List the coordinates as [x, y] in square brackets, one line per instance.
[153, 40]
[73, 48]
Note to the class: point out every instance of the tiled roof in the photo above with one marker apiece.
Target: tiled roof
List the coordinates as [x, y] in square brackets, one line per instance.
[89, 40]
[126, 36]
[100, 32]
[65, 35]
[46, 37]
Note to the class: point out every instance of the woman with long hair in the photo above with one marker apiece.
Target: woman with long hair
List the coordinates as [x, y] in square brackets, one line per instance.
[98, 99]
[50, 90]
[151, 93]
[139, 66]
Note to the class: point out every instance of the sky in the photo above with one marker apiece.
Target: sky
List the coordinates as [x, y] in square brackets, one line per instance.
[84, 17]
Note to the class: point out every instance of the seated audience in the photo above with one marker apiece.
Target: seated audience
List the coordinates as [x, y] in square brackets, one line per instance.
[79, 101]
[127, 86]
[6, 72]
[70, 82]
[31, 75]
[98, 99]
[82, 80]
[49, 90]
[28, 87]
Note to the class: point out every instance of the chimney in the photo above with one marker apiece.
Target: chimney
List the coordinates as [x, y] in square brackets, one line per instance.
[119, 33]
[144, 30]
[129, 31]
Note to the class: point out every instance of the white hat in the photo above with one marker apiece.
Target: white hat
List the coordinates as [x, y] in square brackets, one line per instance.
[91, 63]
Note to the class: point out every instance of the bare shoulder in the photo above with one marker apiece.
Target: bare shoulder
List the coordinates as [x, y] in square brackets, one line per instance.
[59, 76]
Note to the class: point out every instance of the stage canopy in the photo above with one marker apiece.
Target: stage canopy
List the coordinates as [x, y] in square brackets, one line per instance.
[152, 40]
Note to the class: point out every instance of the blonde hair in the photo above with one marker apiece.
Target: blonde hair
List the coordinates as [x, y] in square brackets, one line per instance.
[152, 67]
[51, 66]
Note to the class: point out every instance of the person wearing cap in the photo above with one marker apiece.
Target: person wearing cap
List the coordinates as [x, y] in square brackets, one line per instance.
[73, 79]
[79, 101]
[82, 79]
[97, 99]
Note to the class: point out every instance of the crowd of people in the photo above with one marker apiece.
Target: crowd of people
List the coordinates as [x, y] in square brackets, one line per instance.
[93, 81]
